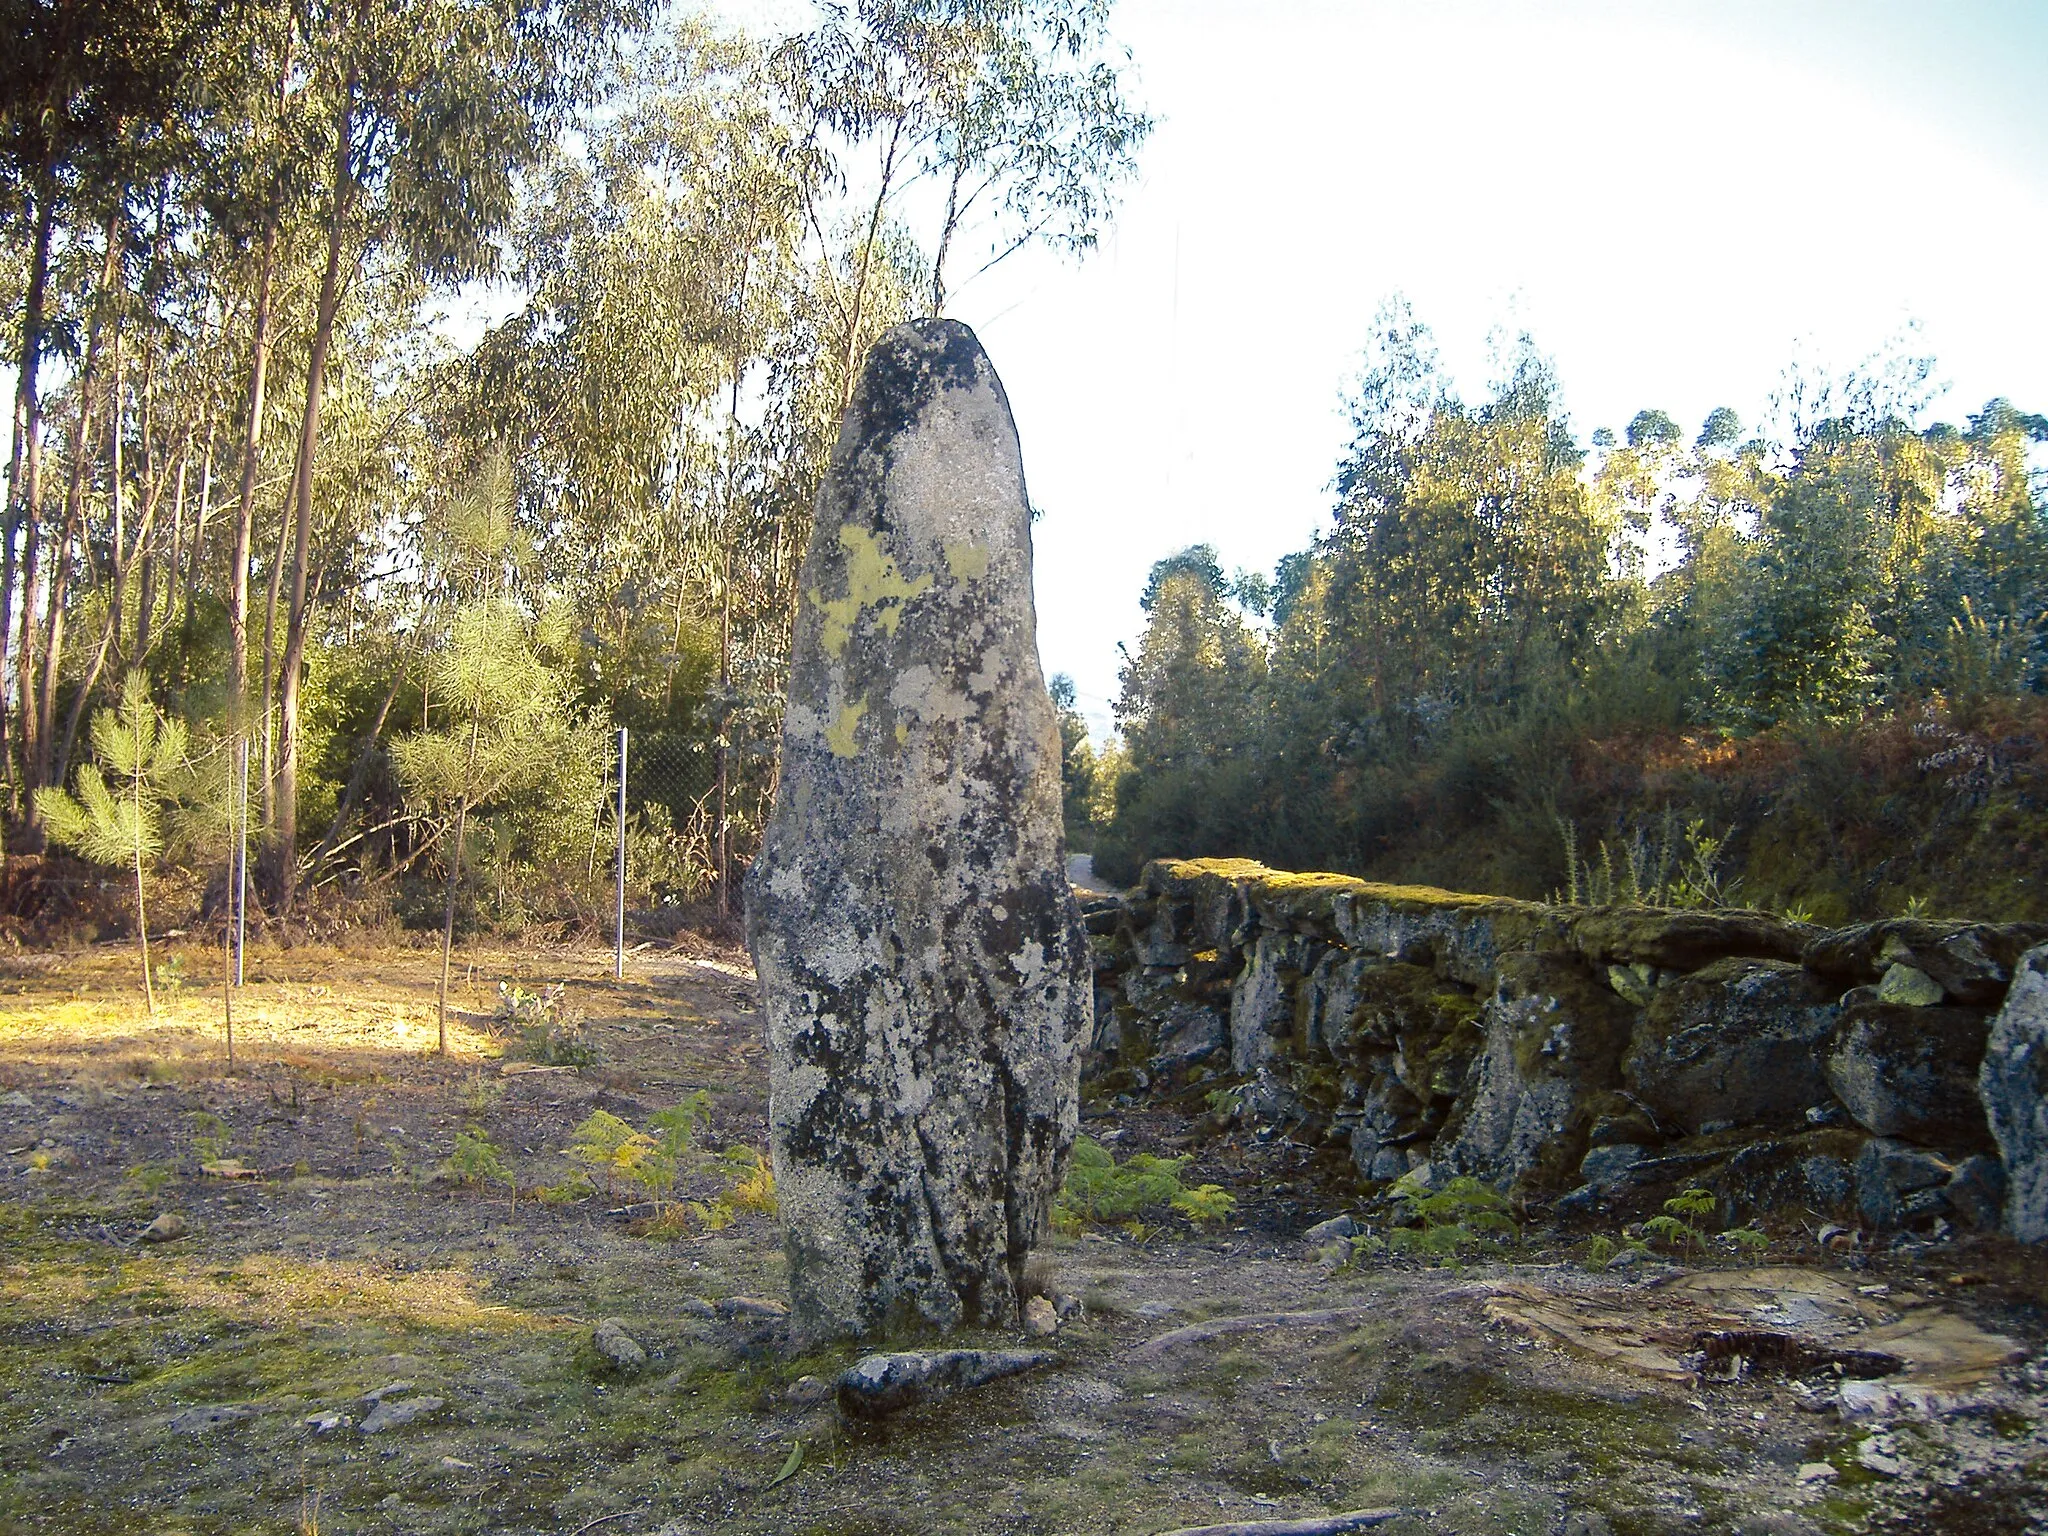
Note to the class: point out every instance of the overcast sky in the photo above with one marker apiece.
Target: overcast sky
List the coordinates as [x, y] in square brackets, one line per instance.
[1675, 200]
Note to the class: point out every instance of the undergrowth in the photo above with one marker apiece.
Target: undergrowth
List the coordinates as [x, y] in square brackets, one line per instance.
[1101, 1191]
[1465, 1217]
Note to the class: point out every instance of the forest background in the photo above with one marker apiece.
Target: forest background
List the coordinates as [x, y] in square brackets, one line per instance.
[258, 493]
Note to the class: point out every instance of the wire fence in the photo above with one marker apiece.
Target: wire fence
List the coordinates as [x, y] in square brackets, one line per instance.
[682, 826]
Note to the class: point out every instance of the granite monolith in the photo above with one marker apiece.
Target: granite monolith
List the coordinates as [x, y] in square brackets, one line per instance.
[923, 968]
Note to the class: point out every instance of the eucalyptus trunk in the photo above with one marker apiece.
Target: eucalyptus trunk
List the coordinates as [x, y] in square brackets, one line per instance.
[455, 878]
[285, 830]
[245, 509]
[25, 461]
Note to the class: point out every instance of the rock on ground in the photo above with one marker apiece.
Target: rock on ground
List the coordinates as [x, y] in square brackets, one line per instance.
[925, 975]
[611, 1340]
[884, 1384]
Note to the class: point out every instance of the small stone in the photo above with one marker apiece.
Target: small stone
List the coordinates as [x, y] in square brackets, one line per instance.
[389, 1389]
[1873, 1457]
[457, 1464]
[167, 1228]
[1633, 983]
[393, 1413]
[1327, 1231]
[808, 1391]
[697, 1306]
[751, 1306]
[1913, 988]
[328, 1422]
[884, 1384]
[1867, 1400]
[17, 1100]
[1816, 1472]
[195, 1421]
[611, 1340]
[1039, 1318]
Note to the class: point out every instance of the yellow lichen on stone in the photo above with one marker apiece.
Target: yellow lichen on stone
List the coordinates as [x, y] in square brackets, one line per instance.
[902, 732]
[840, 736]
[967, 562]
[873, 581]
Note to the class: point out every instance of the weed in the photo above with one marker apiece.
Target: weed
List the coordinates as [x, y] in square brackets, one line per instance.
[1677, 1227]
[1205, 1203]
[210, 1138]
[545, 1027]
[752, 1189]
[1466, 1214]
[1646, 868]
[1101, 1190]
[1604, 1250]
[480, 1093]
[148, 1178]
[476, 1162]
[608, 1144]
[1225, 1104]
[575, 1187]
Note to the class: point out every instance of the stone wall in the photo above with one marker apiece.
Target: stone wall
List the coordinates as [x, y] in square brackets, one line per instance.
[1591, 1059]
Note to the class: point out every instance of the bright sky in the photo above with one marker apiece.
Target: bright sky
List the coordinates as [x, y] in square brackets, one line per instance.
[1676, 200]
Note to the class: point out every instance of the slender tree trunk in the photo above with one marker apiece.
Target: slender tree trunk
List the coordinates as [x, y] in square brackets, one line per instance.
[195, 555]
[285, 833]
[359, 772]
[147, 471]
[455, 877]
[24, 465]
[109, 631]
[284, 533]
[946, 235]
[40, 722]
[117, 484]
[149, 626]
[860, 281]
[245, 509]
[142, 916]
[724, 729]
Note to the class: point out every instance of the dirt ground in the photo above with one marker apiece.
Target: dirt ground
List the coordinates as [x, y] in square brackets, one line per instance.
[183, 1385]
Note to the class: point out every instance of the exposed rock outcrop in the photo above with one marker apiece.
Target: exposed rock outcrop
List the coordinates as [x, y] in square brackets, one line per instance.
[1595, 1057]
[2014, 1086]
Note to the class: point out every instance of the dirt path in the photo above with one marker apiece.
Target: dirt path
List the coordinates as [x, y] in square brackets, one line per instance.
[175, 1386]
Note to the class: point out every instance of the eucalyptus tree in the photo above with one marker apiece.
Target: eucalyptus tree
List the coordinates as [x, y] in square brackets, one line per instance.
[428, 112]
[1014, 107]
[84, 84]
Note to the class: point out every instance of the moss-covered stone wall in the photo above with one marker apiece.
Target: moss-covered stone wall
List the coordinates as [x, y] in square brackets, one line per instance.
[1585, 1058]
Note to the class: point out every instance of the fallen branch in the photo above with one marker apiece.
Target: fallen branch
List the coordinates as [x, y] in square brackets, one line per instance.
[1202, 1333]
[1325, 1525]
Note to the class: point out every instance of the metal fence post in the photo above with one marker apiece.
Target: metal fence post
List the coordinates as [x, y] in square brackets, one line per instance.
[240, 894]
[619, 948]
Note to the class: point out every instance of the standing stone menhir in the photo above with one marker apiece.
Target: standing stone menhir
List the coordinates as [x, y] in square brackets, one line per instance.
[922, 962]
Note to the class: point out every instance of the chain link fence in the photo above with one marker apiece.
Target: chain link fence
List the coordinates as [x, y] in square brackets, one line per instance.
[681, 836]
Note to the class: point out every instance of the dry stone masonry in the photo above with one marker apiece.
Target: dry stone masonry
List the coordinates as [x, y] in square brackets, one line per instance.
[1889, 1075]
[922, 963]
